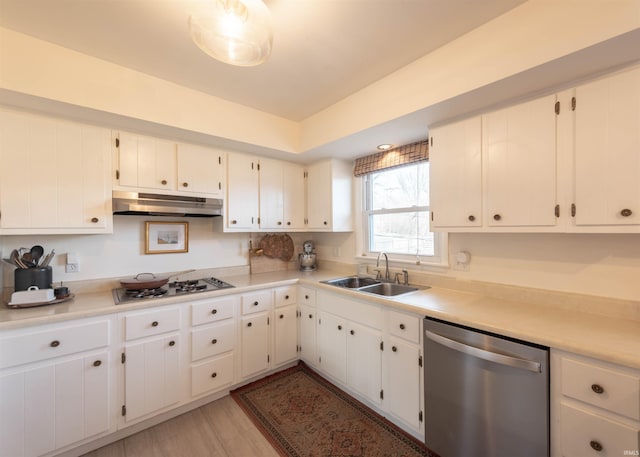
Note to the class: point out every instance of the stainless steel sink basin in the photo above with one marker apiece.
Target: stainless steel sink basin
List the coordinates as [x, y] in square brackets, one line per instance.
[388, 289]
[352, 282]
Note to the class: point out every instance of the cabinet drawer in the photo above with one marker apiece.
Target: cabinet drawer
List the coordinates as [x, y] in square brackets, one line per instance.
[213, 310]
[404, 326]
[602, 386]
[149, 323]
[256, 301]
[213, 340]
[285, 296]
[307, 296]
[53, 342]
[583, 433]
[211, 375]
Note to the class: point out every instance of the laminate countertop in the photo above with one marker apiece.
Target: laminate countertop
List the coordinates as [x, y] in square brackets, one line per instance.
[603, 336]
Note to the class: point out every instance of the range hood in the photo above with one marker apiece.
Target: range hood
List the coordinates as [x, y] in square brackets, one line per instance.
[140, 203]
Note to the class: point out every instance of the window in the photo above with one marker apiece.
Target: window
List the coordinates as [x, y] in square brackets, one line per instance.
[397, 214]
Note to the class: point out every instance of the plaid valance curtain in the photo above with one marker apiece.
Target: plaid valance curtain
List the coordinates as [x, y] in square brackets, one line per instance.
[402, 155]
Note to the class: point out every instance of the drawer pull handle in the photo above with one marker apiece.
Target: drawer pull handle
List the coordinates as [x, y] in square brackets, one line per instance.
[154, 324]
[164, 182]
[214, 341]
[497, 217]
[249, 324]
[214, 311]
[95, 220]
[310, 316]
[214, 374]
[234, 221]
[595, 445]
[626, 212]
[172, 343]
[255, 303]
[597, 388]
[401, 326]
[306, 297]
[394, 349]
[97, 363]
[471, 218]
[54, 344]
[281, 316]
[185, 184]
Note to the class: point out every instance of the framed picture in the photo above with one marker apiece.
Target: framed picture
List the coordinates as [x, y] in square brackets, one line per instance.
[166, 237]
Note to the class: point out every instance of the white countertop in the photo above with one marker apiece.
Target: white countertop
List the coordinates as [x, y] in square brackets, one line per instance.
[615, 339]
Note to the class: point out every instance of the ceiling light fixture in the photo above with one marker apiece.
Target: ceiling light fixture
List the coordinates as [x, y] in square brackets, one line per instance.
[384, 147]
[237, 32]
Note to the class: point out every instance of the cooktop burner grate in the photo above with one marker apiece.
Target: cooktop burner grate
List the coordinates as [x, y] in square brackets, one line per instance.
[171, 289]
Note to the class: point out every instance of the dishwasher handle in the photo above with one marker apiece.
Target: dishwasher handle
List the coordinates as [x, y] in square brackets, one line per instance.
[501, 359]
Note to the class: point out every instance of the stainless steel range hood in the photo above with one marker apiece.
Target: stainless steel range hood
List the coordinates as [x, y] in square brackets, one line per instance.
[140, 203]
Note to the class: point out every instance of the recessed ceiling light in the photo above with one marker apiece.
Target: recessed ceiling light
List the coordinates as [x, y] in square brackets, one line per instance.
[384, 147]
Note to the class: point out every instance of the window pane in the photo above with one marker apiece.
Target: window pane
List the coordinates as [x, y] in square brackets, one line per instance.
[395, 188]
[423, 184]
[401, 233]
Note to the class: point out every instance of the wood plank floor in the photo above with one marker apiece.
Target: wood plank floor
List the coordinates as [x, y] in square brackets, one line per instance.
[217, 429]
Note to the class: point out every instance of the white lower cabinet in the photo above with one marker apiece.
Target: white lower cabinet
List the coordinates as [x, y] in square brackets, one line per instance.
[153, 372]
[254, 333]
[595, 407]
[332, 345]
[285, 335]
[364, 361]
[56, 386]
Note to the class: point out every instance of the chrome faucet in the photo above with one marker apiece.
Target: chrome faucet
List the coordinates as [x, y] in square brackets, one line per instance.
[387, 276]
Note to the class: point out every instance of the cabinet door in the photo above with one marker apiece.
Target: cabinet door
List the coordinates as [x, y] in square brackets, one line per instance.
[332, 346]
[607, 151]
[271, 194]
[53, 406]
[519, 156]
[254, 336]
[455, 167]
[242, 192]
[319, 196]
[200, 170]
[152, 376]
[285, 334]
[294, 197]
[402, 393]
[146, 162]
[308, 334]
[54, 175]
[364, 361]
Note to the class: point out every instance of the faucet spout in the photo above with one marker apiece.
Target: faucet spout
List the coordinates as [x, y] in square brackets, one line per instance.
[387, 276]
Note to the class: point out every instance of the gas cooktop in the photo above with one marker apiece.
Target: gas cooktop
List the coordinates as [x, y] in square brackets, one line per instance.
[171, 289]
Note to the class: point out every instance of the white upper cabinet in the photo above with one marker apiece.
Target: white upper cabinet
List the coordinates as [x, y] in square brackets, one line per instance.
[455, 162]
[519, 157]
[55, 176]
[607, 151]
[145, 162]
[281, 195]
[293, 195]
[329, 200]
[200, 170]
[242, 204]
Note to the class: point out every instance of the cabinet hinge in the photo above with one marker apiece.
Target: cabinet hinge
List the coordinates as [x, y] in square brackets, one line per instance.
[117, 174]
[381, 394]
[419, 360]
[573, 210]
[382, 345]
[258, 220]
[268, 358]
[431, 142]
[258, 166]
[305, 174]
[557, 107]
[573, 103]
[267, 320]
[252, 165]
[124, 410]
[123, 358]
[319, 321]
[319, 359]
[117, 142]
[219, 185]
[557, 211]
[431, 216]
[219, 160]
[420, 416]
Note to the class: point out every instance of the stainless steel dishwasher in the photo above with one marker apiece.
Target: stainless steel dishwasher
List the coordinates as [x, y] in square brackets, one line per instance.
[485, 395]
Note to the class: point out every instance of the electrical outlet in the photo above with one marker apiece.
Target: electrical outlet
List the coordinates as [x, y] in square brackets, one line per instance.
[72, 268]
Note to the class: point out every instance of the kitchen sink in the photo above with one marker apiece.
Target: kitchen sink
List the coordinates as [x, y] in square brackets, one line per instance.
[353, 282]
[373, 286]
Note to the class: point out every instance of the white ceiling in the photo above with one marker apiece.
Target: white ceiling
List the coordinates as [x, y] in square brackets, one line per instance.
[323, 50]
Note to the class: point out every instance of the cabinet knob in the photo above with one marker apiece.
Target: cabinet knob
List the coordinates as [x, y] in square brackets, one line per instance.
[234, 221]
[214, 374]
[249, 324]
[214, 341]
[394, 349]
[471, 217]
[97, 363]
[54, 344]
[185, 184]
[497, 217]
[325, 223]
[163, 182]
[255, 303]
[401, 326]
[286, 297]
[595, 445]
[597, 388]
[310, 316]
[339, 327]
[352, 332]
[279, 222]
[281, 316]
[626, 212]
[214, 311]
[95, 220]
[172, 343]
[154, 324]
[288, 222]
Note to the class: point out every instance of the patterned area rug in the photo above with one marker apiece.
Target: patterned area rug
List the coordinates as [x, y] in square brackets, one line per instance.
[303, 415]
